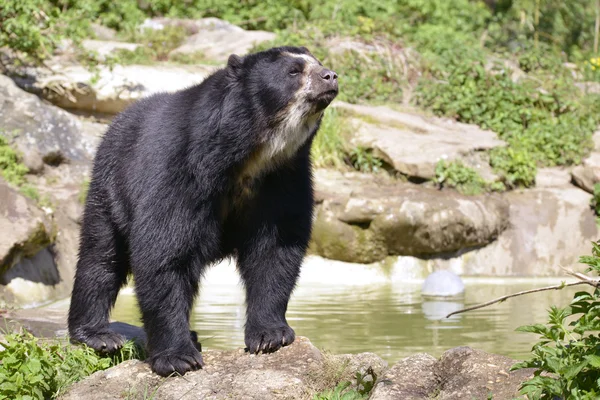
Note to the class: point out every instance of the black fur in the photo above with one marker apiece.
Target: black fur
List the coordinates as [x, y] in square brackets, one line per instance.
[168, 197]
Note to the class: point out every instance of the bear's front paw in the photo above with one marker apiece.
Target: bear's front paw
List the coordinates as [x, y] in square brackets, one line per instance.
[181, 361]
[268, 340]
[102, 340]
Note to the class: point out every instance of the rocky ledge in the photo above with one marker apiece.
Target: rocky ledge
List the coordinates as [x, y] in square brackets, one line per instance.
[301, 370]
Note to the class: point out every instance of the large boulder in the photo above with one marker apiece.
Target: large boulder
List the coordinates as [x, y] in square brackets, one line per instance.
[364, 218]
[294, 372]
[214, 38]
[461, 373]
[36, 127]
[112, 89]
[43, 133]
[413, 144]
[549, 228]
[27, 268]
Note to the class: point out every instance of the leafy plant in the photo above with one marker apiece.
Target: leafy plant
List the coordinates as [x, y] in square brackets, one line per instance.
[595, 202]
[515, 165]
[567, 357]
[457, 175]
[34, 369]
[11, 167]
[362, 159]
[342, 391]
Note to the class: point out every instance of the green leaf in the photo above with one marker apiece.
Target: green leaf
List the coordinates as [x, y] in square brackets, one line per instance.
[537, 328]
[594, 360]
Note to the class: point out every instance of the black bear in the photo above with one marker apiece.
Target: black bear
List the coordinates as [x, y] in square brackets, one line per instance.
[184, 179]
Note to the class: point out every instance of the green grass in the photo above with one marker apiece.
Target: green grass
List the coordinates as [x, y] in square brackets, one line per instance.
[328, 145]
[11, 167]
[33, 368]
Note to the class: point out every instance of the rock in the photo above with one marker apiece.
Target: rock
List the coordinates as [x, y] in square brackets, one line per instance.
[596, 140]
[553, 177]
[442, 283]
[548, 228]
[363, 218]
[294, 372]
[33, 161]
[214, 38]
[37, 128]
[26, 234]
[461, 373]
[588, 174]
[102, 32]
[105, 47]
[414, 144]
[75, 87]
[411, 378]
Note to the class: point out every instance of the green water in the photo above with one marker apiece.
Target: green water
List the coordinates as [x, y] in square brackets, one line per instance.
[392, 320]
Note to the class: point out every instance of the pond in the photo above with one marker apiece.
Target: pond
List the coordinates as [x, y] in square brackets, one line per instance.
[390, 319]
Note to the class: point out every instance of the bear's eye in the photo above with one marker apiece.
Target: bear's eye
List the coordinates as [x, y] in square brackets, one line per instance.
[294, 71]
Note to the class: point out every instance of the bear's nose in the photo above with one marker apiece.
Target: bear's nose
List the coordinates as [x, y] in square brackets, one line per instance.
[328, 75]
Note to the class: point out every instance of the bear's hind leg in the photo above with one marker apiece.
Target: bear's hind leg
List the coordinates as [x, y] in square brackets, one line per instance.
[102, 270]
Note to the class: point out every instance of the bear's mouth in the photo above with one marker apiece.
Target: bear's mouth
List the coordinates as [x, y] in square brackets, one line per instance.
[322, 100]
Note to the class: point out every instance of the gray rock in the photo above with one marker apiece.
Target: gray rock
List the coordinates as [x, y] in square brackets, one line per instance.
[76, 87]
[442, 283]
[364, 218]
[412, 378]
[461, 373]
[414, 144]
[33, 161]
[214, 38]
[104, 48]
[36, 127]
[294, 372]
[25, 264]
[553, 177]
[548, 227]
[588, 174]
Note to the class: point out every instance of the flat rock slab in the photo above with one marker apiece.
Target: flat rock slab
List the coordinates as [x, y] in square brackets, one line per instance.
[37, 127]
[413, 144]
[364, 218]
[294, 372]
[461, 373]
[75, 87]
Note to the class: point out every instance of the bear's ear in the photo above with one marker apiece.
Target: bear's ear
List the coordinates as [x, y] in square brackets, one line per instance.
[234, 63]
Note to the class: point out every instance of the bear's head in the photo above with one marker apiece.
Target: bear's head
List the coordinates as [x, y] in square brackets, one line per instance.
[289, 89]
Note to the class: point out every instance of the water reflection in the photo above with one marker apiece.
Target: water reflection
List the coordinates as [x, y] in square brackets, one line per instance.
[391, 320]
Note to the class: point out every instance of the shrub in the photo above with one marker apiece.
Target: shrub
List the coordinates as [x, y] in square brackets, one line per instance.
[457, 175]
[566, 358]
[35, 369]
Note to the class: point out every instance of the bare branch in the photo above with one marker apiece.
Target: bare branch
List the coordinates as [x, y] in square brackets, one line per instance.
[583, 280]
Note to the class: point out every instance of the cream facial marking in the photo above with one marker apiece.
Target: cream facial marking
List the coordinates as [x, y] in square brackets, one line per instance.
[305, 57]
[295, 124]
